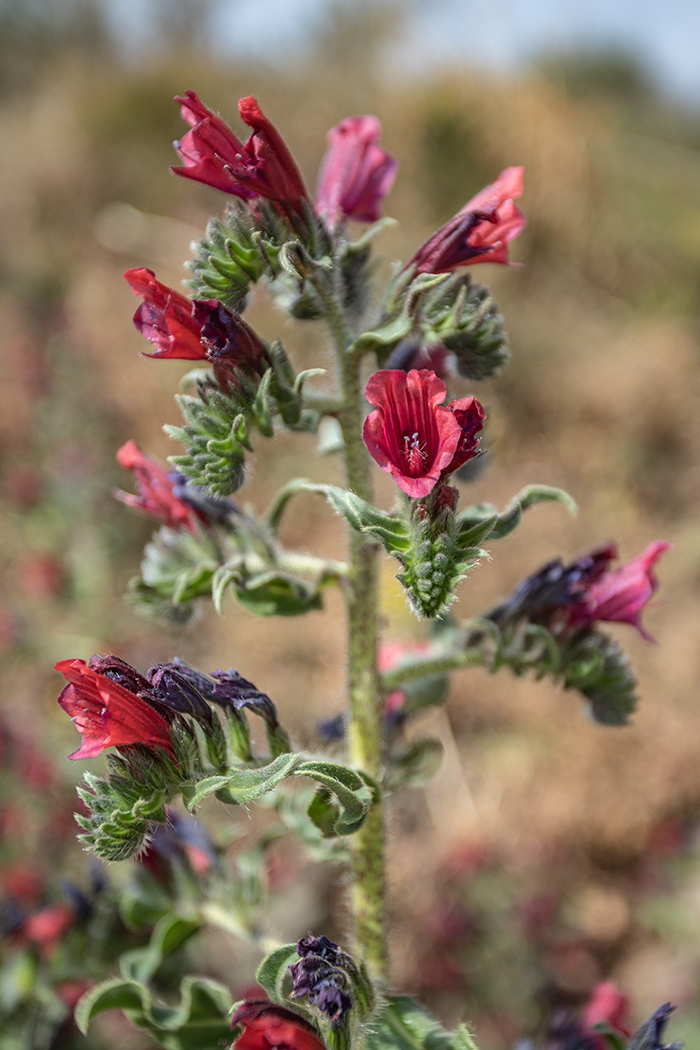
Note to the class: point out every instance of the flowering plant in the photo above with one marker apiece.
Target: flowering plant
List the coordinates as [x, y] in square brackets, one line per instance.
[177, 736]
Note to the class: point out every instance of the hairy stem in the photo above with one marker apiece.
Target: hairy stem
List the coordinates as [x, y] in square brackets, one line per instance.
[368, 888]
[449, 660]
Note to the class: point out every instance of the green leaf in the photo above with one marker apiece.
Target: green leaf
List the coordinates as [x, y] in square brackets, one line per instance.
[273, 970]
[404, 1025]
[472, 521]
[200, 1022]
[277, 594]
[244, 785]
[353, 792]
[323, 812]
[170, 933]
[116, 994]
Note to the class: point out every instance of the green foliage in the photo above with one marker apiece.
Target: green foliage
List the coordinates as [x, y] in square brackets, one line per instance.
[503, 524]
[590, 662]
[404, 1025]
[234, 253]
[199, 1022]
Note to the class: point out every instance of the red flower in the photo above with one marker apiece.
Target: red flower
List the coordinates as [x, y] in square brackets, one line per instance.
[607, 1006]
[619, 595]
[47, 928]
[231, 344]
[415, 437]
[165, 317]
[480, 232]
[356, 174]
[262, 167]
[155, 490]
[266, 1026]
[107, 714]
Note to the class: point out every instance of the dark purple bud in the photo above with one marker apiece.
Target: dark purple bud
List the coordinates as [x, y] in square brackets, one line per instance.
[553, 587]
[567, 1033]
[232, 690]
[211, 508]
[321, 976]
[332, 729]
[121, 672]
[232, 345]
[176, 690]
[651, 1033]
[78, 901]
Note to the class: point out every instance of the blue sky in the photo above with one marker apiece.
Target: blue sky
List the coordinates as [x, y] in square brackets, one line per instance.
[500, 35]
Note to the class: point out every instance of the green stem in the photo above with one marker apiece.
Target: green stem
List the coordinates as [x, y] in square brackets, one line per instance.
[438, 664]
[365, 742]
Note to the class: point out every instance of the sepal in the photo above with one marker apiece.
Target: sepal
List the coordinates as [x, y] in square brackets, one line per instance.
[236, 252]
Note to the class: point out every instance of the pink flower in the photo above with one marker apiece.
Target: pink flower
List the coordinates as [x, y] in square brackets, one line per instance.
[165, 318]
[260, 167]
[107, 714]
[412, 435]
[270, 1027]
[619, 595]
[609, 1007]
[155, 490]
[480, 232]
[356, 173]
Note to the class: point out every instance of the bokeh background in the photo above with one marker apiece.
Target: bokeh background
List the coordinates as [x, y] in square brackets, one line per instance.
[549, 853]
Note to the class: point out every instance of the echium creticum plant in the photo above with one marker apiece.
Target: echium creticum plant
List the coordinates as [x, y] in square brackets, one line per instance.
[179, 734]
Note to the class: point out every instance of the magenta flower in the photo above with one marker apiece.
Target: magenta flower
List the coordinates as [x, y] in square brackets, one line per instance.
[107, 714]
[480, 232]
[356, 173]
[196, 330]
[156, 497]
[165, 317]
[619, 595]
[412, 435]
[260, 167]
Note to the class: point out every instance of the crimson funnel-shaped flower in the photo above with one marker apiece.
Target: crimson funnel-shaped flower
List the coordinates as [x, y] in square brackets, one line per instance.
[480, 232]
[356, 173]
[260, 167]
[165, 317]
[412, 435]
[107, 714]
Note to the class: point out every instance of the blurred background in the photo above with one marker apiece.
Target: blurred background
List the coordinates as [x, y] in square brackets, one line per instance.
[549, 853]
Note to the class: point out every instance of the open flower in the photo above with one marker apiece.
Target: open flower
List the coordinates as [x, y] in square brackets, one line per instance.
[480, 232]
[412, 435]
[260, 167]
[568, 598]
[197, 330]
[107, 714]
[270, 1027]
[619, 595]
[356, 173]
[165, 317]
[156, 497]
